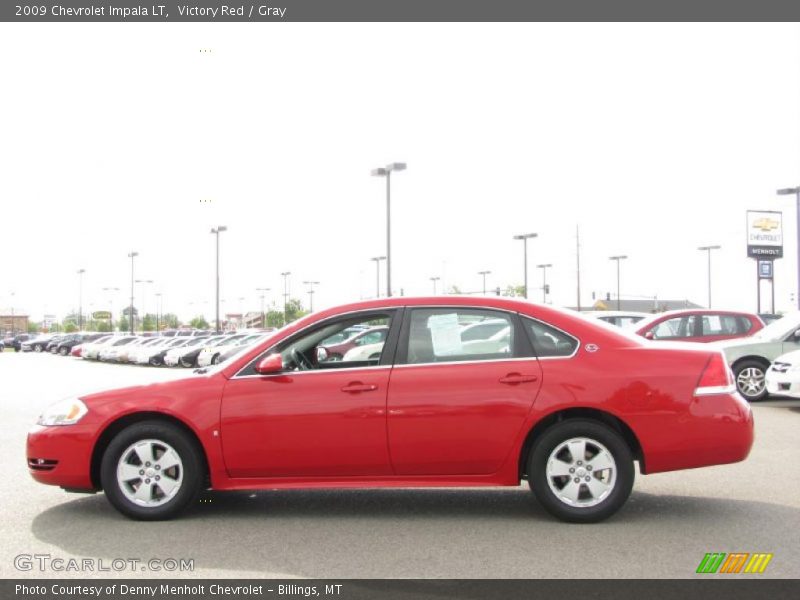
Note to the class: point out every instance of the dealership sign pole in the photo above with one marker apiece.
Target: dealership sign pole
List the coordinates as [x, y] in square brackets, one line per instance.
[764, 244]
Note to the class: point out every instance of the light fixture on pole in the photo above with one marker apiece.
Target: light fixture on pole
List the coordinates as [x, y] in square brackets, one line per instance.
[131, 255]
[484, 274]
[434, 280]
[387, 172]
[544, 268]
[311, 285]
[263, 314]
[708, 250]
[80, 298]
[216, 231]
[525, 237]
[796, 192]
[377, 260]
[285, 276]
[618, 258]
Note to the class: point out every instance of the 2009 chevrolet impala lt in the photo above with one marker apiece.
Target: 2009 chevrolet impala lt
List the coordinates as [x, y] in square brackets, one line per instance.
[538, 393]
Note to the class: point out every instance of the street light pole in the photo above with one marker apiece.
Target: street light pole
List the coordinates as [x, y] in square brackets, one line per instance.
[544, 268]
[525, 237]
[311, 285]
[387, 172]
[263, 315]
[708, 250]
[377, 260]
[80, 298]
[618, 258]
[131, 255]
[434, 280]
[285, 276]
[796, 192]
[216, 231]
[484, 274]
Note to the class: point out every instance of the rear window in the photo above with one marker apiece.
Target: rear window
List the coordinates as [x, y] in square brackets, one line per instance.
[548, 341]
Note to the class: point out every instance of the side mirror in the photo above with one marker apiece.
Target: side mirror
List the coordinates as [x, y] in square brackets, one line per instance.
[649, 335]
[322, 354]
[270, 364]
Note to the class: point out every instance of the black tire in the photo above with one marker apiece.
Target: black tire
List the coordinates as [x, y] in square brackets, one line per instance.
[186, 363]
[745, 389]
[155, 361]
[37, 348]
[63, 351]
[186, 448]
[593, 431]
[215, 359]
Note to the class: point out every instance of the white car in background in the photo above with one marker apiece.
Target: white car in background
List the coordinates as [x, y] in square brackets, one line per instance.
[92, 351]
[783, 375]
[185, 355]
[210, 354]
[111, 351]
[620, 318]
[144, 354]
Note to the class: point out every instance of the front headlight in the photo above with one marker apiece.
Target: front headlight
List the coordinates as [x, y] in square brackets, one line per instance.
[65, 412]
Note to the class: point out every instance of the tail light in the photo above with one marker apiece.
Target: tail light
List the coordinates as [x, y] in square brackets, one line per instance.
[716, 378]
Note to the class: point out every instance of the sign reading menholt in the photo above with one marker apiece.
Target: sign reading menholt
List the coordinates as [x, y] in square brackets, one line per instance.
[764, 234]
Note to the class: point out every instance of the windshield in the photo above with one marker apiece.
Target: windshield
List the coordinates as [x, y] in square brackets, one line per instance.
[777, 330]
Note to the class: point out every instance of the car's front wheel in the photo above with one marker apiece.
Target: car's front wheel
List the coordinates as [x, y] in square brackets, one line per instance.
[37, 348]
[581, 471]
[152, 471]
[63, 351]
[186, 363]
[751, 379]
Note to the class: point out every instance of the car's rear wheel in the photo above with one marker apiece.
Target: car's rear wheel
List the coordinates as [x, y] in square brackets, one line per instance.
[155, 361]
[37, 348]
[186, 363]
[581, 471]
[152, 471]
[63, 351]
[751, 379]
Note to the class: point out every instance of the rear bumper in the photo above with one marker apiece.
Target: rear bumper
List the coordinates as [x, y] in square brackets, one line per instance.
[717, 429]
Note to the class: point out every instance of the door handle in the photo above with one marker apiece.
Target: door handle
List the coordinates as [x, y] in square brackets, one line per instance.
[515, 378]
[356, 387]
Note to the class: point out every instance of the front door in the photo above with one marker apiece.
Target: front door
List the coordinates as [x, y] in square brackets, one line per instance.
[317, 418]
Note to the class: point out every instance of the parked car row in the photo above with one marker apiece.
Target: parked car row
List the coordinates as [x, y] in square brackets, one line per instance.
[193, 350]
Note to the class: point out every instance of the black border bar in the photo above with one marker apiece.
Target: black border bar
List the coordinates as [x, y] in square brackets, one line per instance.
[729, 587]
[400, 10]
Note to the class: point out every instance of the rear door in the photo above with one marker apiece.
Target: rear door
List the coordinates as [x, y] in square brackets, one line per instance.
[455, 406]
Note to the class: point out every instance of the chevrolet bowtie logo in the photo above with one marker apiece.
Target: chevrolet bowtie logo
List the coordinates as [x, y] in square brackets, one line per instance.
[765, 224]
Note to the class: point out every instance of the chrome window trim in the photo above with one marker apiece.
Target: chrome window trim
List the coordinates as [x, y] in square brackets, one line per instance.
[238, 375]
[311, 372]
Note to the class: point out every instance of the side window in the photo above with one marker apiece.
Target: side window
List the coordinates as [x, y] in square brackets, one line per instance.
[549, 341]
[446, 335]
[722, 325]
[677, 327]
[311, 350]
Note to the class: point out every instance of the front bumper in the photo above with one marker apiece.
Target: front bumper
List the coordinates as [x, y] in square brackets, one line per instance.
[783, 384]
[61, 455]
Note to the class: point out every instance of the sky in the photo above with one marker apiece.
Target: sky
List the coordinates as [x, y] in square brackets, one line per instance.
[654, 139]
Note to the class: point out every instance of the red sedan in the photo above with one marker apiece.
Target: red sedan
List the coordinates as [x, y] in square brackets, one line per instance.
[569, 404]
[700, 325]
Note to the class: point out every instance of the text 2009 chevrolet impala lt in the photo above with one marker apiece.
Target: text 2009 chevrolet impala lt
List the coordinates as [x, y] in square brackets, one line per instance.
[566, 403]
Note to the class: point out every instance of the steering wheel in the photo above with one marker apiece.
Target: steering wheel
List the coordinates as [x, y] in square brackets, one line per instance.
[303, 364]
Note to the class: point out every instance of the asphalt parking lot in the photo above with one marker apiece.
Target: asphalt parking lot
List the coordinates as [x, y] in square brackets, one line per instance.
[669, 523]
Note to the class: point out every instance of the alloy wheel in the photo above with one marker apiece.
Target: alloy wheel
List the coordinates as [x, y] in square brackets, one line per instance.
[149, 473]
[581, 472]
